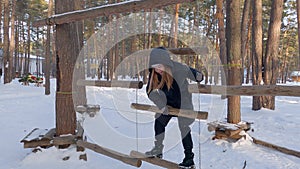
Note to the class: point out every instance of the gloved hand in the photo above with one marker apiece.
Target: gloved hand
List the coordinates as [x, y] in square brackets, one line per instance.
[165, 110]
[199, 77]
[159, 98]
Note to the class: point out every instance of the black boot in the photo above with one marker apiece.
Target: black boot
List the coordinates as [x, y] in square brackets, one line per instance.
[157, 151]
[188, 161]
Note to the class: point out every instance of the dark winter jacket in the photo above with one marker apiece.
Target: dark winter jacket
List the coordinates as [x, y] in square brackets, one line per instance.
[178, 96]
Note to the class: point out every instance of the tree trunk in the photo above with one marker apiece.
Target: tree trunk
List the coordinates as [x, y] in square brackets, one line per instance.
[175, 40]
[67, 48]
[6, 56]
[12, 44]
[245, 18]
[27, 59]
[257, 50]
[233, 34]
[298, 21]
[221, 31]
[48, 57]
[271, 56]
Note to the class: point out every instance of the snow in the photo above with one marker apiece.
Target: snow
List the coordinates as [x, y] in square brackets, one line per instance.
[120, 128]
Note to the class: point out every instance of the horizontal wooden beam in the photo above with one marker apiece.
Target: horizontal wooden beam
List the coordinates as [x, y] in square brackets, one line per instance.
[257, 90]
[110, 153]
[105, 10]
[189, 51]
[102, 83]
[278, 148]
[156, 161]
[172, 111]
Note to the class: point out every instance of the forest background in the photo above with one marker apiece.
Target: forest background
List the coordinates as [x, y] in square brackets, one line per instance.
[265, 35]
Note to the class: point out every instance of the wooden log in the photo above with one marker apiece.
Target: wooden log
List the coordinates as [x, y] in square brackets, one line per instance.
[189, 51]
[79, 131]
[102, 83]
[110, 153]
[154, 160]
[221, 134]
[64, 140]
[105, 10]
[257, 90]
[38, 137]
[231, 133]
[275, 147]
[172, 111]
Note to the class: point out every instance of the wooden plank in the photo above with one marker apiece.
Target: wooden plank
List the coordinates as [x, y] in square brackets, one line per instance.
[189, 51]
[275, 147]
[110, 153]
[37, 143]
[102, 83]
[172, 111]
[105, 10]
[50, 134]
[154, 160]
[27, 137]
[257, 90]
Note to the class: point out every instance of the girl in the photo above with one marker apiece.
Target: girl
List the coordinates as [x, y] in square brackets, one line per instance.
[168, 86]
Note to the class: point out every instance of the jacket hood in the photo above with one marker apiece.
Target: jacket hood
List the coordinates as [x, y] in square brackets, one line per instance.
[160, 55]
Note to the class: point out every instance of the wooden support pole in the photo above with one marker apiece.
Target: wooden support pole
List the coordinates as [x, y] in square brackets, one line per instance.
[172, 111]
[110, 153]
[156, 161]
[105, 10]
[257, 90]
[275, 147]
[102, 83]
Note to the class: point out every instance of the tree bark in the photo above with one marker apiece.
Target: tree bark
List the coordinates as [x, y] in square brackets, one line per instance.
[233, 34]
[221, 32]
[257, 50]
[12, 40]
[6, 56]
[48, 57]
[298, 21]
[271, 56]
[67, 48]
[245, 18]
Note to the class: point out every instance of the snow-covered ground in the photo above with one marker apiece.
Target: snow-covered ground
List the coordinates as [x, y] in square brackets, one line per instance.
[123, 129]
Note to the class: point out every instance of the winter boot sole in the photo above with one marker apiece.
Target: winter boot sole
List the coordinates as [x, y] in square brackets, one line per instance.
[190, 167]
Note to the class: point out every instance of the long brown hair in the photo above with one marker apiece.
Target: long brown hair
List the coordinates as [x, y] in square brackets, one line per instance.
[166, 79]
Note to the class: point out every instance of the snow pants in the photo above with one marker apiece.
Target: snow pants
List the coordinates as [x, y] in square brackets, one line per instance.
[161, 121]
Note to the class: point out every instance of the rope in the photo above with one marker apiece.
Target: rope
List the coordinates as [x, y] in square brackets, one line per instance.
[199, 131]
[136, 122]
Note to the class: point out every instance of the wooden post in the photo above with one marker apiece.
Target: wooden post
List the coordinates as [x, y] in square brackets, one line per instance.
[110, 153]
[172, 111]
[117, 8]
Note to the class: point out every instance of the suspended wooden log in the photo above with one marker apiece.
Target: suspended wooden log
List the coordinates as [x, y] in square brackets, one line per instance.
[189, 51]
[172, 111]
[102, 83]
[275, 147]
[154, 160]
[263, 90]
[110, 153]
[105, 10]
